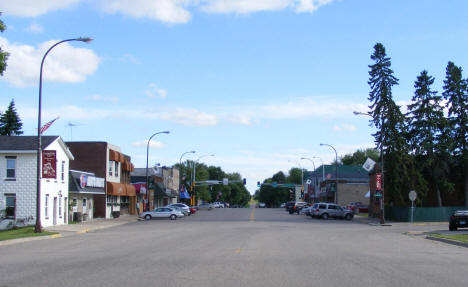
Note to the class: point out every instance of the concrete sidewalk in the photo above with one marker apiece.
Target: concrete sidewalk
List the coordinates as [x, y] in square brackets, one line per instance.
[91, 225]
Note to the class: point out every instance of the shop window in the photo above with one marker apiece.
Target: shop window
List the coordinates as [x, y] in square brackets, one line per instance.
[46, 206]
[10, 206]
[11, 167]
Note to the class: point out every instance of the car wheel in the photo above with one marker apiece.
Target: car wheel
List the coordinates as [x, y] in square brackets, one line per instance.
[173, 217]
[452, 228]
[148, 217]
[325, 216]
[348, 216]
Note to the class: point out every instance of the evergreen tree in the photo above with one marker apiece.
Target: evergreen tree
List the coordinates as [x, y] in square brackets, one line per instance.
[3, 55]
[426, 136]
[10, 123]
[456, 94]
[390, 124]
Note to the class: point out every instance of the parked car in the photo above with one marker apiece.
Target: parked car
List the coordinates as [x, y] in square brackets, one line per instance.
[325, 210]
[218, 204]
[289, 205]
[193, 209]
[207, 206]
[183, 206]
[162, 212]
[261, 205]
[458, 219]
[236, 206]
[357, 207]
[283, 205]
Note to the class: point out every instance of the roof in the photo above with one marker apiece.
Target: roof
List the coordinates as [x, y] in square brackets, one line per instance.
[23, 143]
[344, 171]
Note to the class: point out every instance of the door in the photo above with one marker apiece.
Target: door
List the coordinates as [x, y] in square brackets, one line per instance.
[65, 209]
[55, 211]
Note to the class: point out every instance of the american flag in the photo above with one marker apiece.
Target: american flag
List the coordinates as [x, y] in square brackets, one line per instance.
[47, 125]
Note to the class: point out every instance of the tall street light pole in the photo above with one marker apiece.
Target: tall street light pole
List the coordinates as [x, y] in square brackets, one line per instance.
[38, 227]
[323, 167]
[313, 163]
[194, 175]
[382, 202]
[180, 167]
[336, 171]
[147, 156]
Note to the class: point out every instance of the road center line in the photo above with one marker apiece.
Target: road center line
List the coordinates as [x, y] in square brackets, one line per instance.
[252, 215]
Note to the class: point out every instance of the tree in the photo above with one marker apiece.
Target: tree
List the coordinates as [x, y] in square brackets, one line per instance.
[426, 124]
[3, 55]
[360, 156]
[390, 125]
[456, 94]
[10, 123]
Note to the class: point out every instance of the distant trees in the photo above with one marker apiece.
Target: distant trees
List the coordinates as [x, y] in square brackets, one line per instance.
[10, 123]
[272, 195]
[3, 55]
[360, 156]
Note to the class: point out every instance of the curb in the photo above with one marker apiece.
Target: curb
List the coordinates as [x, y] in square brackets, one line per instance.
[27, 239]
[448, 241]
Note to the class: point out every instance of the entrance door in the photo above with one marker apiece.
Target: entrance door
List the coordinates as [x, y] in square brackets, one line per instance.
[55, 211]
[65, 209]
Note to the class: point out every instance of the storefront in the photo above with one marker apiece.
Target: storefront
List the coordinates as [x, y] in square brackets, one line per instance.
[84, 188]
[120, 199]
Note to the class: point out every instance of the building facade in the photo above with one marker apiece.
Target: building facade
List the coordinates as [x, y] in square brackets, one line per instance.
[18, 181]
[106, 161]
[83, 187]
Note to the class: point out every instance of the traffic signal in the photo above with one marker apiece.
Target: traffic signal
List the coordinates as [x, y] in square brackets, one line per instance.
[258, 184]
[244, 181]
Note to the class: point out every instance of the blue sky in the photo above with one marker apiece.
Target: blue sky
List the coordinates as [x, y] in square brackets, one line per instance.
[258, 83]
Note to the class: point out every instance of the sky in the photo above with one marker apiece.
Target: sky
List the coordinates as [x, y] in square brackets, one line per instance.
[258, 83]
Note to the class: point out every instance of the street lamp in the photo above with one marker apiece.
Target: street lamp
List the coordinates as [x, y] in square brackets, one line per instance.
[194, 174]
[180, 166]
[313, 163]
[336, 171]
[302, 176]
[147, 155]
[323, 167]
[38, 227]
[382, 209]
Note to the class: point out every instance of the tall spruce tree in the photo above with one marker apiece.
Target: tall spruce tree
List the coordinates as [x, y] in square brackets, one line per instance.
[426, 135]
[389, 121]
[10, 123]
[456, 94]
[3, 55]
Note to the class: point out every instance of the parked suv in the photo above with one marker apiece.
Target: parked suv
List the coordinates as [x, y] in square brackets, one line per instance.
[325, 210]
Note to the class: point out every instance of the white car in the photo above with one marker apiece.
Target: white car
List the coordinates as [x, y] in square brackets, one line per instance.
[162, 212]
[185, 209]
[218, 205]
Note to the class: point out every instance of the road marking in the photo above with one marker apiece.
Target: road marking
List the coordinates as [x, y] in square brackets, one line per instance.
[238, 250]
[252, 215]
[56, 235]
[82, 231]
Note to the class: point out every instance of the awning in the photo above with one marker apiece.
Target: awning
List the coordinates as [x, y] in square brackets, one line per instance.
[116, 189]
[131, 191]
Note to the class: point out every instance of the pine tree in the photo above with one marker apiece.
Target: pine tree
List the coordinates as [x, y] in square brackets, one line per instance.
[10, 123]
[456, 94]
[3, 55]
[390, 124]
[426, 123]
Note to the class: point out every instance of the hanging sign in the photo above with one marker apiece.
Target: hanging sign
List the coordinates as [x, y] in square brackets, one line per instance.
[49, 164]
[378, 182]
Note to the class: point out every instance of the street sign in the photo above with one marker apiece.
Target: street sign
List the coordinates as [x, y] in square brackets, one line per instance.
[308, 181]
[368, 165]
[378, 193]
[225, 181]
[274, 184]
[412, 195]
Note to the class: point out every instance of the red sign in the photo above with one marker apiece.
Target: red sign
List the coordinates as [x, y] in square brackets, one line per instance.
[378, 182]
[49, 164]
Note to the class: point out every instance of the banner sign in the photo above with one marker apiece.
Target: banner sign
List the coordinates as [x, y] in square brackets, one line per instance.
[378, 182]
[49, 164]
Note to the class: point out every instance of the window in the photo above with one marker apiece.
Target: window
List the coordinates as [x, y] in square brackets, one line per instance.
[10, 206]
[331, 206]
[110, 168]
[84, 202]
[46, 206]
[63, 171]
[60, 208]
[116, 170]
[11, 167]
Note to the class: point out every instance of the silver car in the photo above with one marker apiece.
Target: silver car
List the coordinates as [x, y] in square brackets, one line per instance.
[326, 210]
[162, 212]
[181, 206]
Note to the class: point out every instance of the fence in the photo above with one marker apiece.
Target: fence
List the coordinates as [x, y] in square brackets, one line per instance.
[421, 214]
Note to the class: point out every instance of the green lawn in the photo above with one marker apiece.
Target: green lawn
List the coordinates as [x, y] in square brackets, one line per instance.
[21, 233]
[457, 237]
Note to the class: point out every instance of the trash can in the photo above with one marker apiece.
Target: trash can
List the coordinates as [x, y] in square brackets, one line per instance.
[77, 217]
[85, 217]
[115, 214]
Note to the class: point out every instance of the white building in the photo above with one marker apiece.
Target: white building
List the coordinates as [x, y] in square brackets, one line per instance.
[18, 182]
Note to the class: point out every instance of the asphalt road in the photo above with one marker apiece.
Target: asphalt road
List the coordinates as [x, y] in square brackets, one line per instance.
[236, 247]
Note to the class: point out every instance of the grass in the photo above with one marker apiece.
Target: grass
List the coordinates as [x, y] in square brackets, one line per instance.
[363, 214]
[21, 233]
[458, 237]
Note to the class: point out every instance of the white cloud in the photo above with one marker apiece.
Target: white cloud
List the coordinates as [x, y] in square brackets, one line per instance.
[64, 64]
[345, 128]
[97, 98]
[239, 119]
[188, 117]
[35, 28]
[28, 8]
[129, 58]
[153, 90]
[168, 11]
[152, 144]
